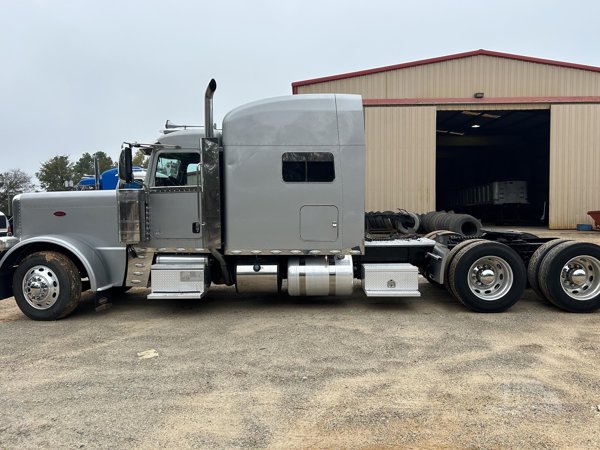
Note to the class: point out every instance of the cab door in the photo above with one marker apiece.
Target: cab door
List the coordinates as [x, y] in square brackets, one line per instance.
[174, 200]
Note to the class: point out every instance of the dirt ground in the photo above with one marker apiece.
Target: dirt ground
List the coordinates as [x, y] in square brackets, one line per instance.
[279, 372]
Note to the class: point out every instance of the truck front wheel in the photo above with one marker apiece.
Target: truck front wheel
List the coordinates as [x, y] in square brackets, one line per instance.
[47, 286]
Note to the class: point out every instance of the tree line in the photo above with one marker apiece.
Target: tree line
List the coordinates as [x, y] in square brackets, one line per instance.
[53, 174]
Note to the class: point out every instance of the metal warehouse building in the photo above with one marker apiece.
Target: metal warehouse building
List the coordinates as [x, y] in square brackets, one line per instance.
[441, 128]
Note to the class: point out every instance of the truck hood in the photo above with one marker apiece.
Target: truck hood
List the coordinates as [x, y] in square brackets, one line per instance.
[91, 215]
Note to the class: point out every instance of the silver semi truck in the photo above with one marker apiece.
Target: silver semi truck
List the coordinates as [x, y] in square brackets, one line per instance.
[272, 202]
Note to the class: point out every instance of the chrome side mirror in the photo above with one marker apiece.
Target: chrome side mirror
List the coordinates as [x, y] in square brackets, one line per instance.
[126, 165]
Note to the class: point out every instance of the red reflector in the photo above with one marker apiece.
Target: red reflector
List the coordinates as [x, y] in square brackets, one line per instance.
[60, 213]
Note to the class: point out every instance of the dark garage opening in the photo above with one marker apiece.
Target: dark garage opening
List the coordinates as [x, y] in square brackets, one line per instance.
[494, 165]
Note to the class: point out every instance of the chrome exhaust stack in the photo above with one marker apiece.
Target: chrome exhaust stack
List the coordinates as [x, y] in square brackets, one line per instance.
[208, 108]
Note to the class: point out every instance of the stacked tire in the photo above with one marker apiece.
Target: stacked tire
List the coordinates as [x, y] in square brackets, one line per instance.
[464, 224]
[407, 222]
[404, 222]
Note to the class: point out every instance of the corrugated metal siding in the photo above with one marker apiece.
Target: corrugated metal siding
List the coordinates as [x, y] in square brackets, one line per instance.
[461, 78]
[400, 162]
[370, 86]
[574, 164]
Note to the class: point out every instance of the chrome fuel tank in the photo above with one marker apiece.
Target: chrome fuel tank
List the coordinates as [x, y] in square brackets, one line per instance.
[325, 275]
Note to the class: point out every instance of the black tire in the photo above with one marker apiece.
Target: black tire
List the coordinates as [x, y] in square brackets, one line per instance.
[47, 286]
[440, 220]
[533, 267]
[465, 224]
[428, 220]
[578, 288]
[445, 223]
[451, 255]
[409, 224]
[502, 264]
[422, 218]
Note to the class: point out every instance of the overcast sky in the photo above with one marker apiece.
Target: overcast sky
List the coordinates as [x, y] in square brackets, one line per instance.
[81, 76]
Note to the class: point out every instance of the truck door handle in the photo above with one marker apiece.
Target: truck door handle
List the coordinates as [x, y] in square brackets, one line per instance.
[196, 227]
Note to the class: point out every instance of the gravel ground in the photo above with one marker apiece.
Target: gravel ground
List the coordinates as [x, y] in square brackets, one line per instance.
[279, 372]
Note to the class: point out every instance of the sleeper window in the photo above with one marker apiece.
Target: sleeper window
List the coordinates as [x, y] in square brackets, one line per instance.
[314, 167]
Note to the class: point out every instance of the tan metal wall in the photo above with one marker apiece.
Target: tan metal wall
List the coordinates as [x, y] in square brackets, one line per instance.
[574, 164]
[461, 78]
[400, 160]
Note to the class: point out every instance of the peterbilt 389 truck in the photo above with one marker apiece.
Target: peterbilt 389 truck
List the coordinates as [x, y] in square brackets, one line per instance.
[273, 202]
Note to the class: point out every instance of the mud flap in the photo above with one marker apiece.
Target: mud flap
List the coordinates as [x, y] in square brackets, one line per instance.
[102, 300]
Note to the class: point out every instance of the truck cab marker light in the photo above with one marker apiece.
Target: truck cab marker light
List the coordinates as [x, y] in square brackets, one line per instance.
[59, 213]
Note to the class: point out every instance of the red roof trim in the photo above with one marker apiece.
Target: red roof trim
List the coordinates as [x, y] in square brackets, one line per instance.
[475, 101]
[422, 62]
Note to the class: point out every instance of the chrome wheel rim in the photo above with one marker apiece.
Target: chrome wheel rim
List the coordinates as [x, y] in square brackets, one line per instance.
[580, 277]
[41, 287]
[490, 278]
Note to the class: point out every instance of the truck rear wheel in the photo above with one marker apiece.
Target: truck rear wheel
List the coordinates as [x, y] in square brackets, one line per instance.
[569, 276]
[47, 286]
[451, 255]
[487, 276]
[533, 268]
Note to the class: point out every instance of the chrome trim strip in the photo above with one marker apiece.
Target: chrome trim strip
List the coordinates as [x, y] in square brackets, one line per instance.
[293, 252]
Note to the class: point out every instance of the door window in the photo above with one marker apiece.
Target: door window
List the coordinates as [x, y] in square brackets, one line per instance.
[177, 169]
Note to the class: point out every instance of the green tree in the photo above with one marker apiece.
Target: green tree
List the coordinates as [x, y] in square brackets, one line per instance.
[83, 166]
[139, 159]
[104, 161]
[54, 172]
[13, 182]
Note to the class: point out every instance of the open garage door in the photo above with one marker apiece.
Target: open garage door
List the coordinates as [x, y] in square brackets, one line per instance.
[494, 164]
[574, 164]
